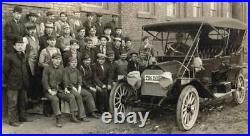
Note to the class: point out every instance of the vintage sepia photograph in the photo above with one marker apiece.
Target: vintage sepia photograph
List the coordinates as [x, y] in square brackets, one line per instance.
[124, 67]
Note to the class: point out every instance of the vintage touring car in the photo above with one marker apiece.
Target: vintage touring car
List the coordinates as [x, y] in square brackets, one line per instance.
[210, 68]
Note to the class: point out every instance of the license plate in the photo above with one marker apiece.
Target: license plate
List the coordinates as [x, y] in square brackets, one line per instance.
[152, 78]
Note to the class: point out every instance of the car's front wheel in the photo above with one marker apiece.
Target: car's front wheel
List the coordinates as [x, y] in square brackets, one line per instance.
[187, 108]
[240, 93]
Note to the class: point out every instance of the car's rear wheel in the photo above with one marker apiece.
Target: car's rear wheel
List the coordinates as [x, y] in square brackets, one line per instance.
[187, 108]
[119, 97]
[240, 93]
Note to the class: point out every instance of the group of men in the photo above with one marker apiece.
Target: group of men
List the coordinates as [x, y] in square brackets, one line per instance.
[68, 59]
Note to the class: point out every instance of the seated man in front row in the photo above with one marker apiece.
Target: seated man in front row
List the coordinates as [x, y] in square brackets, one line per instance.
[178, 48]
[52, 80]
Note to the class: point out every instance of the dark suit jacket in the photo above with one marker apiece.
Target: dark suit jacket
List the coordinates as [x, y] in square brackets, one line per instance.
[101, 77]
[12, 31]
[99, 29]
[108, 48]
[91, 52]
[87, 76]
[133, 66]
[16, 72]
[88, 26]
[114, 69]
[68, 54]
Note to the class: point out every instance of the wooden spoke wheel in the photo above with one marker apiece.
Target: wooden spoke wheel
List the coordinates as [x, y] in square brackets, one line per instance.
[240, 93]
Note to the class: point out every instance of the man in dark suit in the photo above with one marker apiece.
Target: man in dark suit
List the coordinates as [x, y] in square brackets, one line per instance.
[101, 74]
[73, 52]
[89, 23]
[104, 45]
[13, 29]
[114, 68]
[49, 31]
[133, 64]
[90, 50]
[114, 23]
[99, 25]
[17, 80]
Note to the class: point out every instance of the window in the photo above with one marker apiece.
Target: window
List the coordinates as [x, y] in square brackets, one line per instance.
[146, 10]
[196, 9]
[228, 9]
[94, 4]
[213, 9]
[171, 9]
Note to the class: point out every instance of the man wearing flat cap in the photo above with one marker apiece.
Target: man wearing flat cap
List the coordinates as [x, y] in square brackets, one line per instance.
[99, 25]
[107, 33]
[89, 22]
[32, 50]
[13, 29]
[49, 31]
[72, 53]
[63, 42]
[81, 37]
[114, 23]
[90, 50]
[59, 25]
[114, 68]
[53, 88]
[75, 22]
[117, 47]
[49, 20]
[101, 74]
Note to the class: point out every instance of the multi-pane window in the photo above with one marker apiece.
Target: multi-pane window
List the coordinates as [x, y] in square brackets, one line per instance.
[147, 7]
[196, 9]
[213, 9]
[228, 9]
[171, 9]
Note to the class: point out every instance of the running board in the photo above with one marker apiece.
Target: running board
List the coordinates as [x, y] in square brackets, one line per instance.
[219, 95]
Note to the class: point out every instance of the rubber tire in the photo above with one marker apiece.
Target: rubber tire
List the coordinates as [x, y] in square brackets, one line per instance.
[183, 94]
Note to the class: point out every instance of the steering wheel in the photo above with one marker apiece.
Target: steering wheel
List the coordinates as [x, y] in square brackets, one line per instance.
[169, 47]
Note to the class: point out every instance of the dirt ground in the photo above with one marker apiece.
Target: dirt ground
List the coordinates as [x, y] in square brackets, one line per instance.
[220, 116]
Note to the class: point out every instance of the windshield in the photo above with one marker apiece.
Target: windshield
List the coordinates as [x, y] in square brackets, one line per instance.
[172, 43]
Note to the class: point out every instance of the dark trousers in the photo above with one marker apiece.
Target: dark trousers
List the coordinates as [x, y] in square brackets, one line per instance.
[70, 98]
[102, 102]
[16, 104]
[79, 101]
[89, 101]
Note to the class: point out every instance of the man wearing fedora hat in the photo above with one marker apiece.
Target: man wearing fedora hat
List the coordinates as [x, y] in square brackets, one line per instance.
[99, 25]
[101, 74]
[89, 22]
[104, 46]
[13, 29]
[178, 47]
[107, 33]
[32, 19]
[17, 80]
